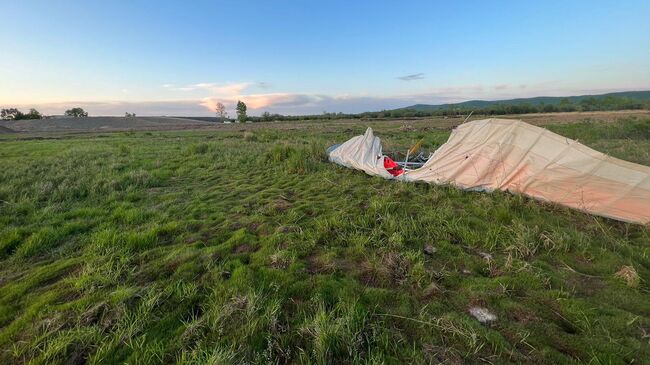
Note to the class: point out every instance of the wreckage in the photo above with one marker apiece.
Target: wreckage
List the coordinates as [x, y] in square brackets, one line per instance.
[510, 155]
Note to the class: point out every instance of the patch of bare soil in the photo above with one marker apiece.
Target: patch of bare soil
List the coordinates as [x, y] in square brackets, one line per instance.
[316, 265]
[244, 248]
[280, 205]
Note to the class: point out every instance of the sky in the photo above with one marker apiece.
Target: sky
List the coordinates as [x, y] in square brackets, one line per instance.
[308, 57]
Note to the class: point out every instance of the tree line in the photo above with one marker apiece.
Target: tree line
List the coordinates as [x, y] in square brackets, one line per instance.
[15, 114]
[609, 103]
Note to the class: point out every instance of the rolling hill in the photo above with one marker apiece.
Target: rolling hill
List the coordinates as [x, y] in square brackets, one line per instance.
[546, 100]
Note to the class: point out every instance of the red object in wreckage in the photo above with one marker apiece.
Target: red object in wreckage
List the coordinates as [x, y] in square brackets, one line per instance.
[392, 167]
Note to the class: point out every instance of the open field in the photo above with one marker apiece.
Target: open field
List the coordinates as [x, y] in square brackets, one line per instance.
[112, 124]
[6, 130]
[102, 124]
[242, 244]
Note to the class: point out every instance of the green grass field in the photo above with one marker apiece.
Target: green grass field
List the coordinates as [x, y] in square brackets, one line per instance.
[225, 247]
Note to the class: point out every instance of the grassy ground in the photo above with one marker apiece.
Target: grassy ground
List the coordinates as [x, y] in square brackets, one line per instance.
[249, 247]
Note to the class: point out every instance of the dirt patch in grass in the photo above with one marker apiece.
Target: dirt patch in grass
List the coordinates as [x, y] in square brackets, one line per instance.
[94, 314]
[523, 315]
[370, 278]
[279, 260]
[316, 265]
[397, 266]
[432, 291]
[244, 248]
[387, 270]
[280, 205]
[442, 355]
[584, 285]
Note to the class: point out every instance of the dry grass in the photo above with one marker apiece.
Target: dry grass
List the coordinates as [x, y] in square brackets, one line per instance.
[629, 275]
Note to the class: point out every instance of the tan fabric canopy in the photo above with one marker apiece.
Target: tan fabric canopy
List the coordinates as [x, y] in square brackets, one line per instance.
[514, 156]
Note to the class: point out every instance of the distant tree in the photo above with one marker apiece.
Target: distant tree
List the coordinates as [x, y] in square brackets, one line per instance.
[126, 115]
[549, 108]
[33, 114]
[10, 114]
[588, 104]
[566, 105]
[76, 113]
[221, 112]
[241, 111]
[266, 117]
[15, 114]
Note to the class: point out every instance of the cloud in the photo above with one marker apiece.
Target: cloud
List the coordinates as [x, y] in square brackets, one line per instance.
[418, 76]
[309, 103]
[178, 88]
[261, 101]
[228, 89]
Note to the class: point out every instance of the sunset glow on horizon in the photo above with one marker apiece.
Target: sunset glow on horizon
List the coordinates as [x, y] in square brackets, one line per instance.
[293, 57]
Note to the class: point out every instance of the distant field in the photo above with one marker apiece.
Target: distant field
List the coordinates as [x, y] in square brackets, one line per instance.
[6, 130]
[112, 124]
[102, 123]
[243, 244]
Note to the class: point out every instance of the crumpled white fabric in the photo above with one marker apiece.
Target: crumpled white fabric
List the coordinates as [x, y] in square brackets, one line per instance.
[362, 153]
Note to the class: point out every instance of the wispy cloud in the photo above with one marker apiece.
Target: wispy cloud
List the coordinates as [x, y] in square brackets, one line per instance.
[226, 89]
[413, 77]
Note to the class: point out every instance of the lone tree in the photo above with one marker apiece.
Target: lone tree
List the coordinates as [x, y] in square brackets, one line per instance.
[221, 111]
[33, 114]
[241, 111]
[76, 113]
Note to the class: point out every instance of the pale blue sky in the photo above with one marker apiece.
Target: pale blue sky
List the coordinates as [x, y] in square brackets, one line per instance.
[181, 57]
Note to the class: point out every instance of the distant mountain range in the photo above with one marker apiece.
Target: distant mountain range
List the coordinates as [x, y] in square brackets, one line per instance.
[546, 100]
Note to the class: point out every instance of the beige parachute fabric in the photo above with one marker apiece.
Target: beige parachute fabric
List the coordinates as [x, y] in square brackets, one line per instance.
[514, 156]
